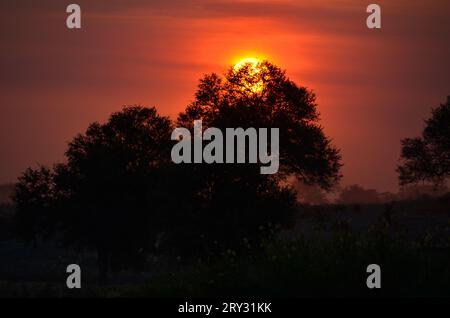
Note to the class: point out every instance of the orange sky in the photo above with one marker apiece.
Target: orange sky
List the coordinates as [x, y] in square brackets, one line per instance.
[374, 87]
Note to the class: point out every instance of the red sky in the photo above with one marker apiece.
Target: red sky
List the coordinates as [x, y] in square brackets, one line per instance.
[374, 87]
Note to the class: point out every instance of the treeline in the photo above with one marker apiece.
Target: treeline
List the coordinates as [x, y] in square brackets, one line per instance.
[119, 193]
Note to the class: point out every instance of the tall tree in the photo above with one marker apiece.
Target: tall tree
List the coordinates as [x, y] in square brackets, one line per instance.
[238, 202]
[108, 194]
[427, 158]
[262, 96]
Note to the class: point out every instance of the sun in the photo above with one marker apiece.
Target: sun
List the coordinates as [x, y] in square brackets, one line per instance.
[252, 79]
[254, 62]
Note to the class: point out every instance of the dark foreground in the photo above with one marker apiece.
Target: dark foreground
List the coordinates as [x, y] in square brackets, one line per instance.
[325, 255]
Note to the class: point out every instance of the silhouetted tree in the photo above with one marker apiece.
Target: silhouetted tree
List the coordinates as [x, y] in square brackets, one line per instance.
[109, 192]
[236, 202]
[415, 191]
[6, 190]
[309, 194]
[233, 101]
[118, 189]
[355, 194]
[427, 158]
[34, 197]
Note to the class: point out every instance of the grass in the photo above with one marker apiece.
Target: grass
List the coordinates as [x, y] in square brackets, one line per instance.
[315, 268]
[331, 262]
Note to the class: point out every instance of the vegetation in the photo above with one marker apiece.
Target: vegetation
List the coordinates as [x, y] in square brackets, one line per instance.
[427, 158]
[329, 263]
[119, 193]
[227, 229]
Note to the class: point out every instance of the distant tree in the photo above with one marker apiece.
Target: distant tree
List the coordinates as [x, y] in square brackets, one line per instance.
[421, 191]
[6, 191]
[387, 197]
[108, 194]
[355, 194]
[310, 194]
[427, 158]
[236, 202]
[34, 197]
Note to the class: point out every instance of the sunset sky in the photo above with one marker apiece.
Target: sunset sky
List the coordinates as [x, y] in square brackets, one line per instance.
[374, 87]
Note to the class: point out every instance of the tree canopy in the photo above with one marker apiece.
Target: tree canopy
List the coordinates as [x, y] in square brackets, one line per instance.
[119, 193]
[238, 197]
[262, 96]
[107, 194]
[427, 158]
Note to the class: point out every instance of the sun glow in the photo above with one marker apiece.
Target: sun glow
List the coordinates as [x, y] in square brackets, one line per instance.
[252, 79]
[249, 60]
